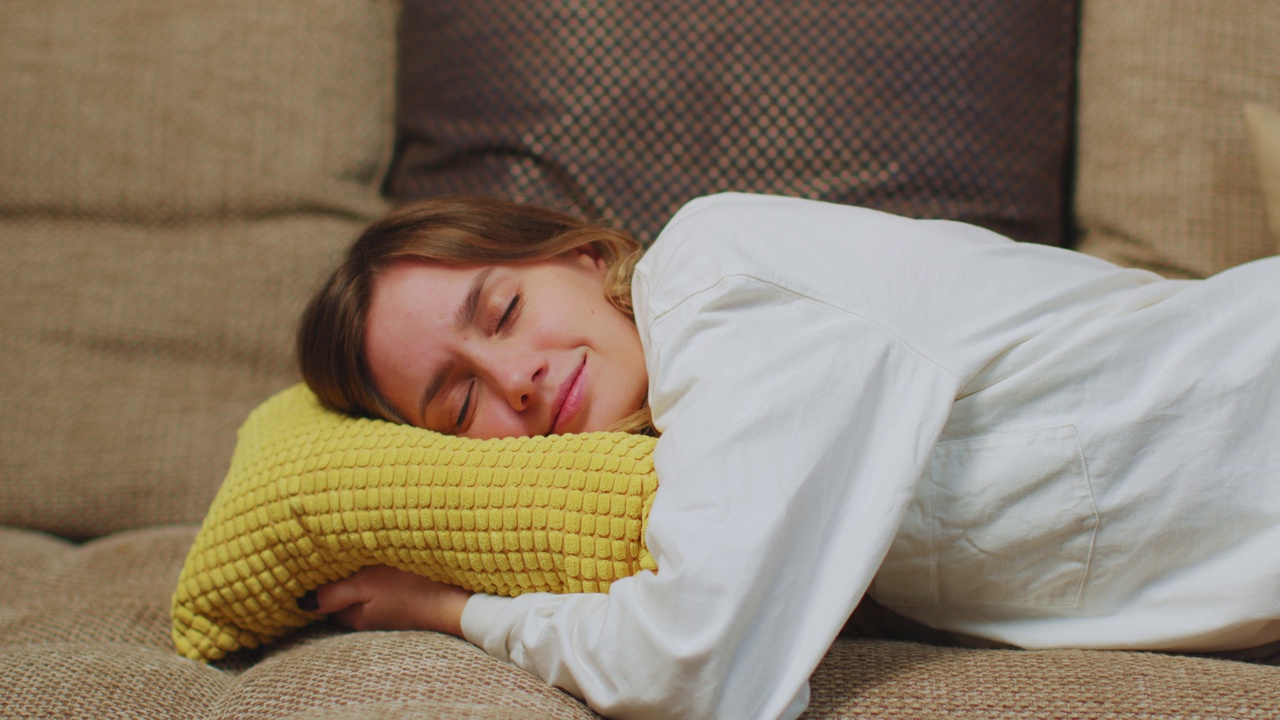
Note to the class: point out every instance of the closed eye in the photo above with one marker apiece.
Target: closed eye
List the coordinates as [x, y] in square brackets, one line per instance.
[509, 315]
[466, 406]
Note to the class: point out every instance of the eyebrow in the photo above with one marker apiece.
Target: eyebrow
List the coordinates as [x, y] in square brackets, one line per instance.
[467, 311]
[465, 316]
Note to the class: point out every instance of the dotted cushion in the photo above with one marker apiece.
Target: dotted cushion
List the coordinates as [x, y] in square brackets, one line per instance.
[627, 109]
[313, 496]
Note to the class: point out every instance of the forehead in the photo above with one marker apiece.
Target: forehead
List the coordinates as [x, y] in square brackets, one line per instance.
[416, 278]
[412, 299]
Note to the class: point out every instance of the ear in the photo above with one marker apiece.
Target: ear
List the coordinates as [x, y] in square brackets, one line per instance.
[588, 253]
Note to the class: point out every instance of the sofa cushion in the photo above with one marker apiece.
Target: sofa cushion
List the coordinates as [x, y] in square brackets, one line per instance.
[1166, 177]
[152, 111]
[88, 680]
[174, 177]
[929, 108]
[79, 638]
[84, 634]
[109, 590]
[372, 675]
[132, 353]
[889, 679]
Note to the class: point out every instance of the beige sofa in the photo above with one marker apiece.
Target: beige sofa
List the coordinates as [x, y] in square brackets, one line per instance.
[175, 175]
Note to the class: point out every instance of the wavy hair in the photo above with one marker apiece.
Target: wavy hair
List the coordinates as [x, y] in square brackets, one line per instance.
[455, 231]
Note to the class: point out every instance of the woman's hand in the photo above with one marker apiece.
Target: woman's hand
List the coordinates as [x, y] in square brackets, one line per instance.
[384, 598]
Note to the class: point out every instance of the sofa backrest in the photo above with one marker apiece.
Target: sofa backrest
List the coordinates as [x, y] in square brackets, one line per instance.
[1167, 177]
[174, 177]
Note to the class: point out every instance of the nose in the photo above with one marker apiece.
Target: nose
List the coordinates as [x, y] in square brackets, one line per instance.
[517, 376]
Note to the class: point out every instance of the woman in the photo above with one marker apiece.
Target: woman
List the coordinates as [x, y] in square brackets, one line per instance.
[1007, 441]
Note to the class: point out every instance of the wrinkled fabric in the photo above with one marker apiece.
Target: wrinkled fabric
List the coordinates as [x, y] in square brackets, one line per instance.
[1015, 442]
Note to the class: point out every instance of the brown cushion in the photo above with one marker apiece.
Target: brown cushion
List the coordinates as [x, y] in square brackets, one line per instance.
[85, 680]
[111, 590]
[135, 352]
[417, 674]
[78, 639]
[887, 679]
[929, 108]
[151, 110]
[1167, 179]
[83, 634]
[174, 177]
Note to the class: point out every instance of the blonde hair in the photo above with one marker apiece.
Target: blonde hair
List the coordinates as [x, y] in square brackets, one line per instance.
[456, 231]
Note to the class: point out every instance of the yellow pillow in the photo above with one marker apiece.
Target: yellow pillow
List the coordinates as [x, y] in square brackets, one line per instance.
[313, 496]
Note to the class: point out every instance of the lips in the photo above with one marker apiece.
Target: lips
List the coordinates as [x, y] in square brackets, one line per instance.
[569, 398]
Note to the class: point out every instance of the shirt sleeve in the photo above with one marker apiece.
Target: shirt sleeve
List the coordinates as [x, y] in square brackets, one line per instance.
[794, 433]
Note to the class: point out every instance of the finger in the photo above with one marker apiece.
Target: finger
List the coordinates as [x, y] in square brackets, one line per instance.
[338, 596]
[353, 617]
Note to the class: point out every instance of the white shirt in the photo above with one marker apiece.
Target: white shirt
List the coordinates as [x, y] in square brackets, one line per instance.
[1013, 441]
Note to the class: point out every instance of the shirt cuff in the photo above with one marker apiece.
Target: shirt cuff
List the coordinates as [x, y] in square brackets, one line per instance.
[479, 614]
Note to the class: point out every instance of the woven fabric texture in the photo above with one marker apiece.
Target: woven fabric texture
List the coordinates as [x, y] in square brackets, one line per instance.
[895, 680]
[90, 680]
[626, 110]
[1166, 175]
[140, 350]
[367, 676]
[84, 634]
[1264, 131]
[104, 591]
[136, 109]
[313, 496]
[174, 179]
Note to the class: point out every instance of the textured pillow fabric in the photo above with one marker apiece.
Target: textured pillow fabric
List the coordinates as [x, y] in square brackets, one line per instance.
[1264, 128]
[628, 109]
[313, 496]
[1166, 175]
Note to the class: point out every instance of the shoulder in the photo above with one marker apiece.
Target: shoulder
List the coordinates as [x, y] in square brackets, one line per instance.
[746, 215]
[788, 241]
[703, 243]
[735, 224]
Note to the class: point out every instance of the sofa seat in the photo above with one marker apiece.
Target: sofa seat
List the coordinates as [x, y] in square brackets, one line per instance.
[84, 633]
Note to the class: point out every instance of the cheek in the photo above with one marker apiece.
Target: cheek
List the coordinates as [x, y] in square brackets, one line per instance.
[624, 342]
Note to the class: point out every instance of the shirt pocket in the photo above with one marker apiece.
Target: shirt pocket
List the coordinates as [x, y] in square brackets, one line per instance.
[1002, 520]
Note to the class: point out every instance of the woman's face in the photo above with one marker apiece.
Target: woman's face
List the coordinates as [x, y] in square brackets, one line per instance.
[504, 350]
